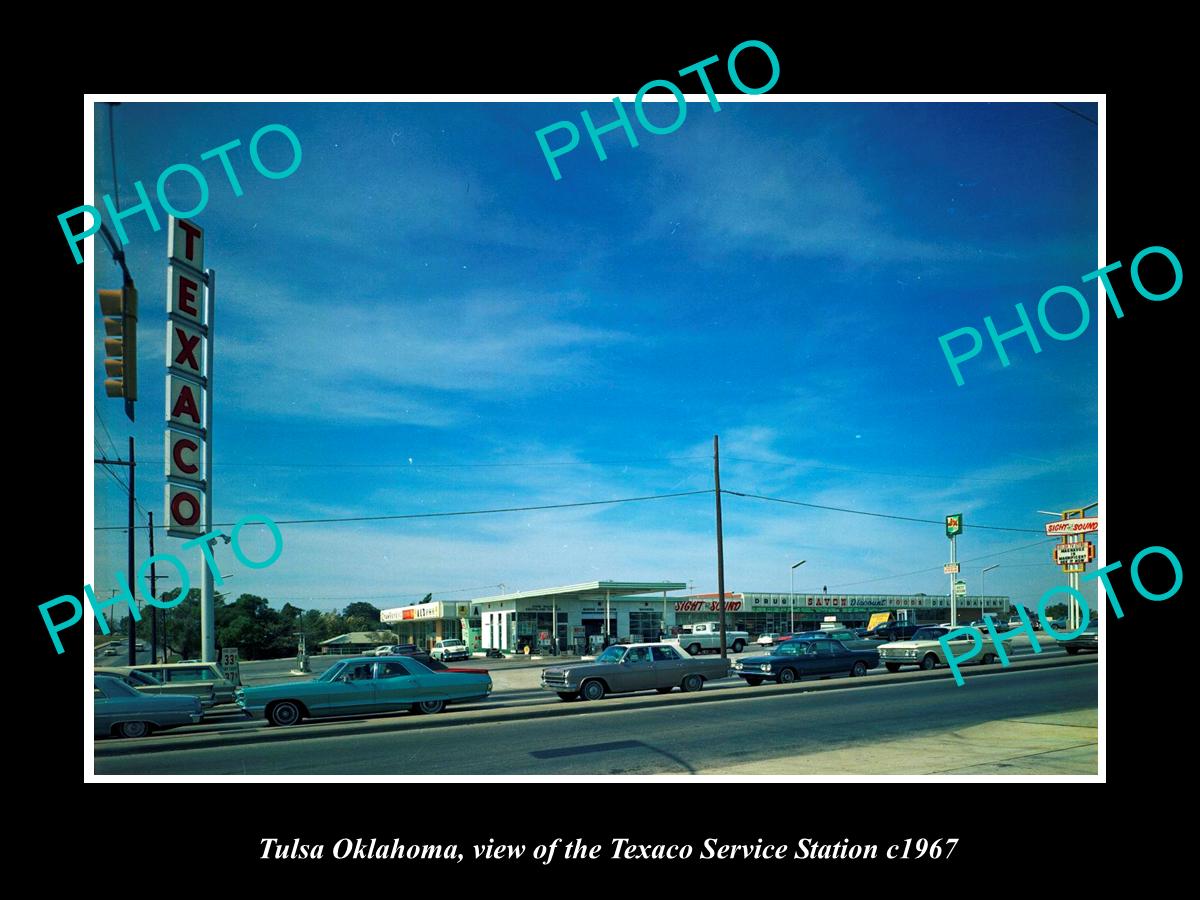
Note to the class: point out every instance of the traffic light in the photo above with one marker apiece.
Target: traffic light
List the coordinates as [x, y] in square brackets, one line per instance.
[120, 344]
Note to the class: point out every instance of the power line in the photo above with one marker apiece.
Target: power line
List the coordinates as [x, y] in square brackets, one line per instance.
[802, 464]
[470, 512]
[859, 512]
[415, 465]
[394, 596]
[111, 442]
[939, 568]
[1076, 112]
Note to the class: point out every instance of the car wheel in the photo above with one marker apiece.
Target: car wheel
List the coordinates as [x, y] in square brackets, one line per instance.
[665, 690]
[988, 659]
[929, 662]
[429, 707]
[694, 650]
[754, 682]
[787, 676]
[893, 667]
[592, 690]
[692, 683]
[134, 729]
[567, 695]
[284, 713]
[1071, 650]
[860, 668]
[738, 646]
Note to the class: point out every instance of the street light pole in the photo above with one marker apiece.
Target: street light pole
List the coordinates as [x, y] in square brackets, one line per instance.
[982, 587]
[792, 595]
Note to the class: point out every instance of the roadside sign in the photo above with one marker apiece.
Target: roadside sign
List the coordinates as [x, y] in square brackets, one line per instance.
[229, 665]
[960, 588]
[954, 525]
[1072, 526]
[950, 569]
[1074, 554]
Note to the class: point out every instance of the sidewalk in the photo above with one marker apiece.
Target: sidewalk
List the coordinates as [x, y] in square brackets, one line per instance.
[1060, 744]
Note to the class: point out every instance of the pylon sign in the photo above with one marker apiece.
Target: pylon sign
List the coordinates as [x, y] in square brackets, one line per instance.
[189, 363]
[954, 525]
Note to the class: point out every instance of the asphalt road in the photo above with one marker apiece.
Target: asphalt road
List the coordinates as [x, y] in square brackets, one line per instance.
[667, 739]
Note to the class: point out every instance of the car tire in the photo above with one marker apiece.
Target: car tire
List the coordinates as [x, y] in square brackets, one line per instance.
[787, 676]
[754, 682]
[691, 683]
[1071, 651]
[694, 650]
[134, 729]
[860, 669]
[929, 662]
[429, 707]
[988, 659]
[592, 690]
[893, 667]
[284, 713]
[738, 646]
[665, 690]
[567, 695]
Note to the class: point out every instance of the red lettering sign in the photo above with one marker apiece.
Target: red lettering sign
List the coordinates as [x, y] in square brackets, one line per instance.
[185, 403]
[192, 233]
[181, 500]
[187, 295]
[188, 346]
[177, 454]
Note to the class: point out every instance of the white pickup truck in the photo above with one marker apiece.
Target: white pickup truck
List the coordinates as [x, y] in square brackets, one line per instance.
[707, 636]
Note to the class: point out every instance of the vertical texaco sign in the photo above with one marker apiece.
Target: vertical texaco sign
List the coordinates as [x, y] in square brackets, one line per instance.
[188, 362]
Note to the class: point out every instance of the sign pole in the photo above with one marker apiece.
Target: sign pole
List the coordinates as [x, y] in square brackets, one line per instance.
[208, 631]
[953, 595]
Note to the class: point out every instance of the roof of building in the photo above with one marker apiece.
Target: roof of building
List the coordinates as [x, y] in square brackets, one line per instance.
[613, 588]
[374, 638]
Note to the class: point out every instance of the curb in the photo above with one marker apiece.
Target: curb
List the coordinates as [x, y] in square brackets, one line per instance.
[484, 717]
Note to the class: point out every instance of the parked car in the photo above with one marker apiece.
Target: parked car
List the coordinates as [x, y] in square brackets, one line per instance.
[360, 685]
[121, 710]
[895, 631]
[846, 635]
[203, 680]
[622, 668]
[797, 658]
[450, 649]
[766, 640]
[1088, 640]
[925, 649]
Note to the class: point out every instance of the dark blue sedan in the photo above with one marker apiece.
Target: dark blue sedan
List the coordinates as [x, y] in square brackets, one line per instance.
[795, 659]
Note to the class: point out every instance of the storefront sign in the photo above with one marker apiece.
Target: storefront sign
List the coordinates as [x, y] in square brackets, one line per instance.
[707, 606]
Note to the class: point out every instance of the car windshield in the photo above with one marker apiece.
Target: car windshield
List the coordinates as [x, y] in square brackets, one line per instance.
[332, 672]
[611, 655]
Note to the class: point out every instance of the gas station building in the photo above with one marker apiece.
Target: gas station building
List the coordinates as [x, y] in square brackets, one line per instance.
[582, 615]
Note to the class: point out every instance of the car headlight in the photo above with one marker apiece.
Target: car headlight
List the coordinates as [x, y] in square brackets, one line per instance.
[737, 664]
[766, 667]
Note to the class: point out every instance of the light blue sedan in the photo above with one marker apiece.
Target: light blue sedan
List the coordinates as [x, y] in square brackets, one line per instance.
[364, 685]
[119, 709]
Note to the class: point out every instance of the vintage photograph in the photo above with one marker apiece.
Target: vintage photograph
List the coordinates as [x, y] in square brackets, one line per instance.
[696, 432]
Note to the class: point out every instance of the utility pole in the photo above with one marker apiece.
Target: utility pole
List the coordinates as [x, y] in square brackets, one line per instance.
[154, 594]
[720, 542]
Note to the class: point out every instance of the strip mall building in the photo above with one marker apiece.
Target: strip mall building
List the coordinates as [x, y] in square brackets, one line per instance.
[582, 614]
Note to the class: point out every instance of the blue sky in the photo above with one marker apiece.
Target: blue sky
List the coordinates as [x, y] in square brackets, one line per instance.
[421, 319]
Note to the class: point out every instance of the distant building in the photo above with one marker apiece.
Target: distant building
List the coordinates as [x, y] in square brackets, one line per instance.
[357, 642]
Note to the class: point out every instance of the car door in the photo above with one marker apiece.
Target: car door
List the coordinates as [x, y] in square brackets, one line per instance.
[806, 660]
[668, 667]
[353, 691]
[398, 686]
[637, 670]
[841, 660]
[103, 712]
[824, 660]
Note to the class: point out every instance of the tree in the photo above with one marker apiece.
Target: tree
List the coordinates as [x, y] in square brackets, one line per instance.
[362, 610]
[1057, 611]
